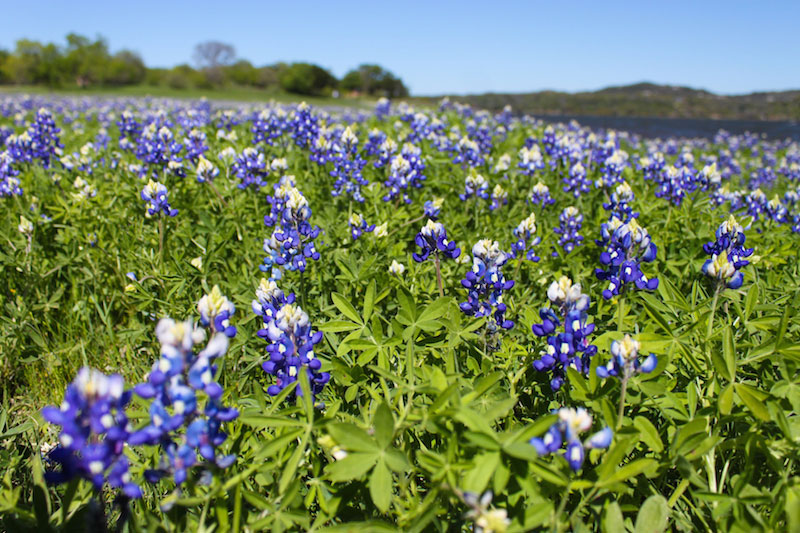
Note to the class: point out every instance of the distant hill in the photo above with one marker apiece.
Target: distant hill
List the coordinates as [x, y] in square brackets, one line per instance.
[646, 100]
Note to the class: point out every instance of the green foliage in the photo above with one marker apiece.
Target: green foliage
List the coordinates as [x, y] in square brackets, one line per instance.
[417, 411]
[308, 79]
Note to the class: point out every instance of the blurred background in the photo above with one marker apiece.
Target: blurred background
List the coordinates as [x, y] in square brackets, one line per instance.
[680, 61]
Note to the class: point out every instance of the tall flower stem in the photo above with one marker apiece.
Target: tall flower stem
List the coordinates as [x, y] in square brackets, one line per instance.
[713, 311]
[161, 230]
[438, 274]
[216, 191]
[621, 410]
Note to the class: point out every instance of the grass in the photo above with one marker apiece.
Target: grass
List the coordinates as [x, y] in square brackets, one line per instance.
[231, 94]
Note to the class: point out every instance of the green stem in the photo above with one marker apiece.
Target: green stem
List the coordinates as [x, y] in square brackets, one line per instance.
[438, 274]
[713, 311]
[161, 231]
[620, 312]
[555, 523]
[621, 410]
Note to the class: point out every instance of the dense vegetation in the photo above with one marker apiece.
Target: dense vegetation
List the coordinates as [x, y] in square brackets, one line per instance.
[83, 63]
[646, 100]
[401, 320]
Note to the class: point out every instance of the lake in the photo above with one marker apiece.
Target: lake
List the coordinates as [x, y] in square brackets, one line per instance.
[653, 127]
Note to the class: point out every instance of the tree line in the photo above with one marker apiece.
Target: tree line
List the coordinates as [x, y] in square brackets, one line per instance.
[83, 62]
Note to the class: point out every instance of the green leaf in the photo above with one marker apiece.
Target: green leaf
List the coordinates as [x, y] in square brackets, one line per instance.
[354, 466]
[288, 474]
[352, 438]
[613, 522]
[754, 400]
[653, 517]
[396, 460]
[630, 470]
[484, 466]
[648, 433]
[369, 301]
[336, 326]
[729, 352]
[725, 400]
[384, 425]
[380, 487]
[345, 307]
[435, 310]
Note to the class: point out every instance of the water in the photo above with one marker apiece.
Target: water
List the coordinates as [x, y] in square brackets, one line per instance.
[652, 127]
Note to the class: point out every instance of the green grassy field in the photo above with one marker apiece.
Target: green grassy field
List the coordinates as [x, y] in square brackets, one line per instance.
[231, 94]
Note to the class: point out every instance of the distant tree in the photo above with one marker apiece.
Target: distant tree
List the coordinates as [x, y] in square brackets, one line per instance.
[86, 62]
[374, 80]
[307, 79]
[211, 56]
[126, 68]
[267, 77]
[4, 77]
[241, 73]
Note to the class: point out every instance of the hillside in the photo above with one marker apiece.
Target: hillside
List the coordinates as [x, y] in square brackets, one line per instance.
[647, 99]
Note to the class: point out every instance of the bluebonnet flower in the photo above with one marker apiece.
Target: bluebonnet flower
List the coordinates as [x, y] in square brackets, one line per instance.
[571, 423]
[9, 183]
[251, 168]
[485, 284]
[432, 239]
[626, 246]
[433, 208]
[485, 520]
[347, 166]
[384, 152]
[570, 223]
[196, 145]
[540, 195]
[776, 211]
[206, 171]
[570, 348]
[530, 160]
[269, 125]
[291, 341]
[382, 108]
[174, 386]
[625, 360]
[157, 149]
[157, 194]
[611, 172]
[292, 241]
[396, 268]
[619, 203]
[468, 153]
[304, 125]
[709, 178]
[652, 165]
[576, 181]
[674, 183]
[499, 197]
[728, 254]
[215, 312]
[19, 147]
[405, 171]
[475, 185]
[44, 141]
[358, 225]
[526, 239]
[503, 164]
[94, 430]
[755, 203]
[130, 130]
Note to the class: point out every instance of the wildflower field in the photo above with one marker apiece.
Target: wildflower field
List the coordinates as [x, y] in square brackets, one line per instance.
[282, 318]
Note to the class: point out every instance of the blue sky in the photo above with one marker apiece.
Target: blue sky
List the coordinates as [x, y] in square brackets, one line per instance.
[456, 47]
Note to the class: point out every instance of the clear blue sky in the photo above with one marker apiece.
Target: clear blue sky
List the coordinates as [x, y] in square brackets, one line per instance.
[456, 47]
